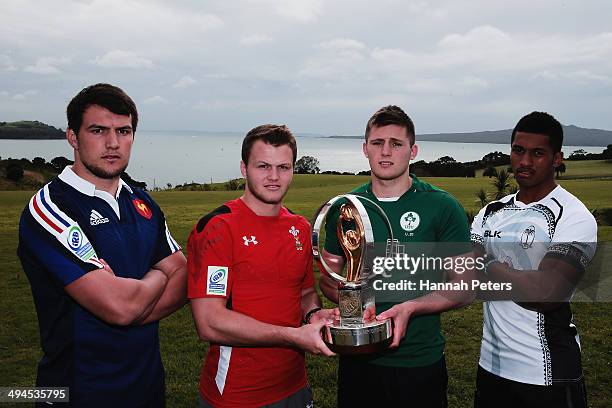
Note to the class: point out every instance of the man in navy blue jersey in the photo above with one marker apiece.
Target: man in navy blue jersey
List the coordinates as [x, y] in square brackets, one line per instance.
[102, 264]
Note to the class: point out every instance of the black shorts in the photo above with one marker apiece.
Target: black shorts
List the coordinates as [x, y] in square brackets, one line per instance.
[361, 384]
[497, 392]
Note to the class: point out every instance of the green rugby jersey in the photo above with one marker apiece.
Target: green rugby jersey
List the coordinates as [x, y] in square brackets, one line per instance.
[423, 214]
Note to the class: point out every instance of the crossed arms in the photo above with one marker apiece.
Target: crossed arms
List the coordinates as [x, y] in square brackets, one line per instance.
[126, 301]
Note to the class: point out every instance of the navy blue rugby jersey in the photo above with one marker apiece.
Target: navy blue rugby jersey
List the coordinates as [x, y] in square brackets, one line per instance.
[66, 228]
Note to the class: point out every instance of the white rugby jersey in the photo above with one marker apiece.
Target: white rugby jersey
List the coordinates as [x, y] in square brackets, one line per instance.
[520, 344]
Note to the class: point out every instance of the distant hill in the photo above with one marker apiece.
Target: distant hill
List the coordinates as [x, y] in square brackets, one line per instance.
[27, 129]
[573, 136]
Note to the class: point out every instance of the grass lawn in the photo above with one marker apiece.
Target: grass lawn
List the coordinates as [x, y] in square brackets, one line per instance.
[578, 169]
[183, 353]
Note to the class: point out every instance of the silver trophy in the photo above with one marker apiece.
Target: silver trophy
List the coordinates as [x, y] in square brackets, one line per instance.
[356, 331]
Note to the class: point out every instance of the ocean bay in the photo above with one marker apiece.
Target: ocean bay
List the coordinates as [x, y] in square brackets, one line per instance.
[177, 157]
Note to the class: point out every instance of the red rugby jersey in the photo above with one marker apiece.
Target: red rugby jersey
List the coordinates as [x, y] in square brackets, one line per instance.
[260, 264]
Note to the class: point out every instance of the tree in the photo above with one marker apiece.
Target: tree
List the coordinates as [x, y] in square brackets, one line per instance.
[560, 169]
[607, 153]
[307, 165]
[501, 183]
[446, 160]
[232, 185]
[481, 197]
[14, 171]
[489, 172]
[496, 159]
[60, 162]
[579, 154]
[38, 162]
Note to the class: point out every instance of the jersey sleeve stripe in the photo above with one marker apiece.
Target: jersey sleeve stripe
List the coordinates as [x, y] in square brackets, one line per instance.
[171, 242]
[42, 218]
[45, 192]
[47, 215]
[65, 219]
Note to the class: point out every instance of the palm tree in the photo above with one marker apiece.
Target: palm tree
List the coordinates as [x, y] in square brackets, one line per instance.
[481, 197]
[501, 183]
[560, 169]
[489, 172]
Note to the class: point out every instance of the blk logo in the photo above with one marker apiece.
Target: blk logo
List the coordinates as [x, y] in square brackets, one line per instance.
[492, 234]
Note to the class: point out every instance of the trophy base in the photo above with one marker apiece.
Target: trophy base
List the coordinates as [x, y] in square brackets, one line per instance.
[361, 338]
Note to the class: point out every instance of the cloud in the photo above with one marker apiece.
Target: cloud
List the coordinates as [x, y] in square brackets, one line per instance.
[155, 100]
[482, 36]
[256, 39]
[337, 57]
[344, 48]
[24, 95]
[423, 9]
[47, 65]
[488, 49]
[341, 44]
[302, 11]
[6, 63]
[473, 83]
[185, 82]
[122, 59]
[152, 27]
[582, 76]
[437, 59]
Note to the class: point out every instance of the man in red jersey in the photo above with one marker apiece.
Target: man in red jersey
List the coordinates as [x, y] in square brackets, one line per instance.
[251, 286]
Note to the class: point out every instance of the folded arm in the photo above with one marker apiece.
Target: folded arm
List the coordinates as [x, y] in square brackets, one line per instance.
[116, 300]
[175, 292]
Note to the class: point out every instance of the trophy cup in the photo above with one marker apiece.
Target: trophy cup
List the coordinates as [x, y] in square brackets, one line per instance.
[356, 331]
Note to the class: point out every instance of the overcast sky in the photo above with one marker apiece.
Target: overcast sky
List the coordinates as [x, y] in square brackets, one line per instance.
[318, 66]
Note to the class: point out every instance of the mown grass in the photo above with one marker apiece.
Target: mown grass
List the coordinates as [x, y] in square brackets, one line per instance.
[577, 169]
[183, 353]
[587, 169]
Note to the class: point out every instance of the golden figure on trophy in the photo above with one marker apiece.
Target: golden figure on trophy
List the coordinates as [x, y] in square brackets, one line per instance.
[356, 331]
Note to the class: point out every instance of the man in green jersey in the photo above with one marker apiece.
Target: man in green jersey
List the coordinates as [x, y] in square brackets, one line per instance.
[412, 372]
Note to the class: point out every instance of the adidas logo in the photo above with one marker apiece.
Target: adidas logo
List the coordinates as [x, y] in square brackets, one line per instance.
[95, 218]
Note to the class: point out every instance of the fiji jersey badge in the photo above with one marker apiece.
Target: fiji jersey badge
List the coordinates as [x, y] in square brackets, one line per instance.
[295, 233]
[528, 236]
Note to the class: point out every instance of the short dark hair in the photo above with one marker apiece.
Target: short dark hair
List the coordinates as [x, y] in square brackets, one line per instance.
[391, 115]
[276, 135]
[105, 95]
[541, 123]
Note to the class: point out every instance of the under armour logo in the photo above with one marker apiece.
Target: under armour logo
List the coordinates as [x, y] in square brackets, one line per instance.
[249, 241]
[294, 231]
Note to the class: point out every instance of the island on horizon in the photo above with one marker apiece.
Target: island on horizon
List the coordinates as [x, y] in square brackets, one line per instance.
[573, 135]
[29, 130]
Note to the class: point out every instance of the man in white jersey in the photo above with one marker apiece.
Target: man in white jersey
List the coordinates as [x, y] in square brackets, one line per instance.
[539, 239]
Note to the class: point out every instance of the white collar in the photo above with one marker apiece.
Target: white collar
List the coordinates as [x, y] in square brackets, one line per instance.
[552, 192]
[68, 176]
[387, 199]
